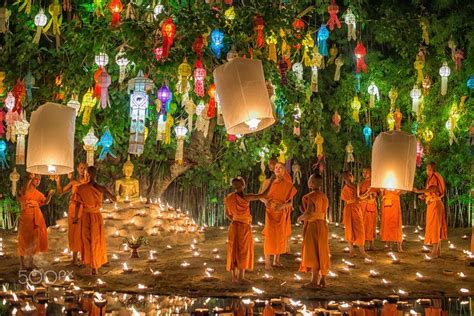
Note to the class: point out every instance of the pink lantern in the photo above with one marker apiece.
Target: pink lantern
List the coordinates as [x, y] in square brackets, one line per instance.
[199, 77]
[104, 82]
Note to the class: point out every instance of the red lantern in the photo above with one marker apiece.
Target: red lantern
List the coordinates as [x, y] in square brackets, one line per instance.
[333, 9]
[419, 154]
[97, 91]
[168, 29]
[231, 138]
[19, 92]
[259, 25]
[298, 25]
[158, 53]
[198, 45]
[360, 52]
[211, 109]
[115, 8]
[199, 76]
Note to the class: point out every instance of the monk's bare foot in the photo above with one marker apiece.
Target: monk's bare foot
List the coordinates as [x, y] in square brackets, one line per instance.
[310, 285]
[434, 255]
[322, 283]
[400, 249]
[352, 254]
[364, 254]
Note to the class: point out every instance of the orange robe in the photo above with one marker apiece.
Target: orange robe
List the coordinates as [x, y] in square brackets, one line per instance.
[389, 309]
[436, 227]
[391, 223]
[240, 251]
[74, 233]
[93, 252]
[369, 207]
[315, 247]
[276, 231]
[353, 217]
[32, 234]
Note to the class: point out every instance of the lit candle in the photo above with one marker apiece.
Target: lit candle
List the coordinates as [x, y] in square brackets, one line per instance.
[126, 268]
[374, 274]
[348, 263]
[152, 257]
[261, 260]
[116, 234]
[215, 250]
[185, 264]
[141, 287]
[168, 247]
[368, 261]
[462, 276]
[428, 258]
[155, 272]
[257, 290]
[452, 247]
[267, 277]
[298, 278]
[386, 282]
[464, 292]
[196, 254]
[114, 257]
[402, 293]
[465, 237]
[332, 275]
[395, 260]
[346, 250]
[420, 276]
[100, 283]
[425, 249]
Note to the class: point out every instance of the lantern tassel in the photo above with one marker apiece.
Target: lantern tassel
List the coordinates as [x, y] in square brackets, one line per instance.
[211, 110]
[444, 85]
[116, 19]
[361, 65]
[169, 124]
[20, 150]
[272, 52]
[339, 62]
[37, 36]
[179, 151]
[97, 92]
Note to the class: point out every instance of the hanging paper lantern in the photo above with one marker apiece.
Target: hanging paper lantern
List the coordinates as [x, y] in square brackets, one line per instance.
[298, 25]
[355, 105]
[19, 92]
[211, 107]
[339, 62]
[102, 59]
[425, 30]
[2, 78]
[298, 71]
[168, 127]
[397, 116]
[444, 72]
[217, 42]
[115, 8]
[419, 154]
[373, 91]
[190, 109]
[14, 178]
[259, 25]
[297, 117]
[323, 35]
[360, 52]
[367, 131]
[390, 121]
[184, 72]
[199, 77]
[283, 68]
[21, 130]
[333, 9]
[51, 140]
[104, 82]
[106, 141]
[164, 95]
[161, 128]
[470, 83]
[349, 153]
[88, 103]
[2, 120]
[419, 65]
[198, 46]
[350, 21]
[229, 14]
[414, 127]
[336, 121]
[3, 155]
[158, 9]
[415, 95]
[168, 30]
[11, 116]
[458, 57]
[272, 51]
[243, 94]
[314, 79]
[40, 21]
[394, 161]
[158, 53]
[180, 130]
[319, 141]
[90, 146]
[393, 96]
[122, 61]
[357, 77]
[427, 135]
[4, 17]
[452, 121]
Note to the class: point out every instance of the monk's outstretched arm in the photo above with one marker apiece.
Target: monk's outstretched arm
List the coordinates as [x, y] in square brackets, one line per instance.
[431, 189]
[261, 196]
[62, 190]
[105, 192]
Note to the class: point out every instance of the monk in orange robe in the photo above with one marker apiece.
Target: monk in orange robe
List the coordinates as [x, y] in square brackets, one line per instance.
[74, 230]
[391, 223]
[88, 199]
[436, 227]
[32, 234]
[240, 250]
[278, 203]
[369, 208]
[353, 216]
[315, 247]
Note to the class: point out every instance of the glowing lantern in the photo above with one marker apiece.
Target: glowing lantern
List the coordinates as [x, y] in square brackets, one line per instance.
[419, 154]
[314, 79]
[168, 30]
[90, 146]
[198, 45]
[359, 52]
[339, 62]
[272, 51]
[217, 42]
[415, 95]
[393, 96]
[283, 68]
[14, 178]
[106, 141]
[367, 131]
[101, 61]
[298, 70]
[336, 120]
[3, 155]
[390, 121]
[199, 76]
[243, 94]
[350, 21]
[419, 65]
[158, 53]
[444, 72]
[51, 140]
[11, 116]
[333, 9]
[373, 91]
[40, 21]
[308, 43]
[230, 14]
[88, 103]
[211, 107]
[190, 109]
[21, 130]
[180, 130]
[122, 61]
[75, 104]
[426, 84]
[161, 128]
[104, 82]
[115, 8]
[2, 78]
[319, 141]
[19, 92]
[157, 10]
[349, 153]
[259, 25]
[164, 95]
[184, 72]
[355, 105]
[298, 25]
[470, 83]
[452, 121]
[394, 161]
[323, 35]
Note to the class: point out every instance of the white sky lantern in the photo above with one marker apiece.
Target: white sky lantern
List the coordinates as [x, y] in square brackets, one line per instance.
[51, 140]
[444, 72]
[394, 161]
[243, 94]
[90, 145]
[415, 95]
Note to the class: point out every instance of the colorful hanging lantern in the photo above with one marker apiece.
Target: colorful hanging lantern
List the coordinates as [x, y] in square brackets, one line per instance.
[101, 60]
[350, 21]
[104, 82]
[202, 124]
[360, 53]
[90, 146]
[158, 9]
[298, 25]
[168, 30]
[452, 122]
[285, 48]
[211, 107]
[272, 51]
[470, 83]
[3, 155]
[184, 72]
[355, 105]
[373, 91]
[333, 51]
[259, 26]
[333, 9]
[198, 46]
[397, 116]
[168, 127]
[199, 77]
[283, 68]
[164, 95]
[115, 8]
[444, 72]
[217, 43]
[336, 121]
[426, 85]
[419, 154]
[314, 79]
[349, 153]
[419, 65]
[21, 130]
[180, 130]
[357, 85]
[323, 35]
[2, 78]
[367, 131]
[428, 135]
[415, 95]
[122, 61]
[11, 116]
[14, 178]
[106, 141]
[393, 96]
[390, 121]
[298, 71]
[458, 57]
[339, 62]
[425, 31]
[319, 141]
[88, 103]
[229, 15]
[161, 128]
[297, 118]
[40, 21]
[158, 52]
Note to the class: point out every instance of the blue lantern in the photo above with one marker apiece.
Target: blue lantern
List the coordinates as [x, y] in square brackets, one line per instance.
[357, 86]
[414, 127]
[3, 154]
[367, 131]
[323, 35]
[470, 83]
[106, 141]
[217, 42]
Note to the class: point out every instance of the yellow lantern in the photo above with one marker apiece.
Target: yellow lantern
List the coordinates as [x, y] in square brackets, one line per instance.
[394, 161]
[319, 141]
[272, 51]
[243, 96]
[184, 72]
[51, 140]
[88, 103]
[355, 105]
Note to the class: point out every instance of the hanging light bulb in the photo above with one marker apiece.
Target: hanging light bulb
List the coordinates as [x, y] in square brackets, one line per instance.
[444, 72]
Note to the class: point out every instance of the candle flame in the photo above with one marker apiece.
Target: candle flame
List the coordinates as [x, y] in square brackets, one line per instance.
[389, 181]
[257, 290]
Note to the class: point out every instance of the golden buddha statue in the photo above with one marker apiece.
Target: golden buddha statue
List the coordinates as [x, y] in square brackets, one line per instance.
[127, 189]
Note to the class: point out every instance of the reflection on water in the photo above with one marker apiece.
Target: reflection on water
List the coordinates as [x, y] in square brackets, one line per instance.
[72, 300]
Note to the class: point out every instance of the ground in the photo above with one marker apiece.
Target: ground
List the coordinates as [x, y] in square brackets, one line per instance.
[174, 279]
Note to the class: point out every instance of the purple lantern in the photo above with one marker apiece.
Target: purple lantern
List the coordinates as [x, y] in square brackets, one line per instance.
[164, 95]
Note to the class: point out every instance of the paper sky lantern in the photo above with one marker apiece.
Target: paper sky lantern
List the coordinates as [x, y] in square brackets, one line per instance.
[40, 21]
[243, 95]
[51, 140]
[90, 146]
[444, 72]
[394, 161]
[180, 130]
